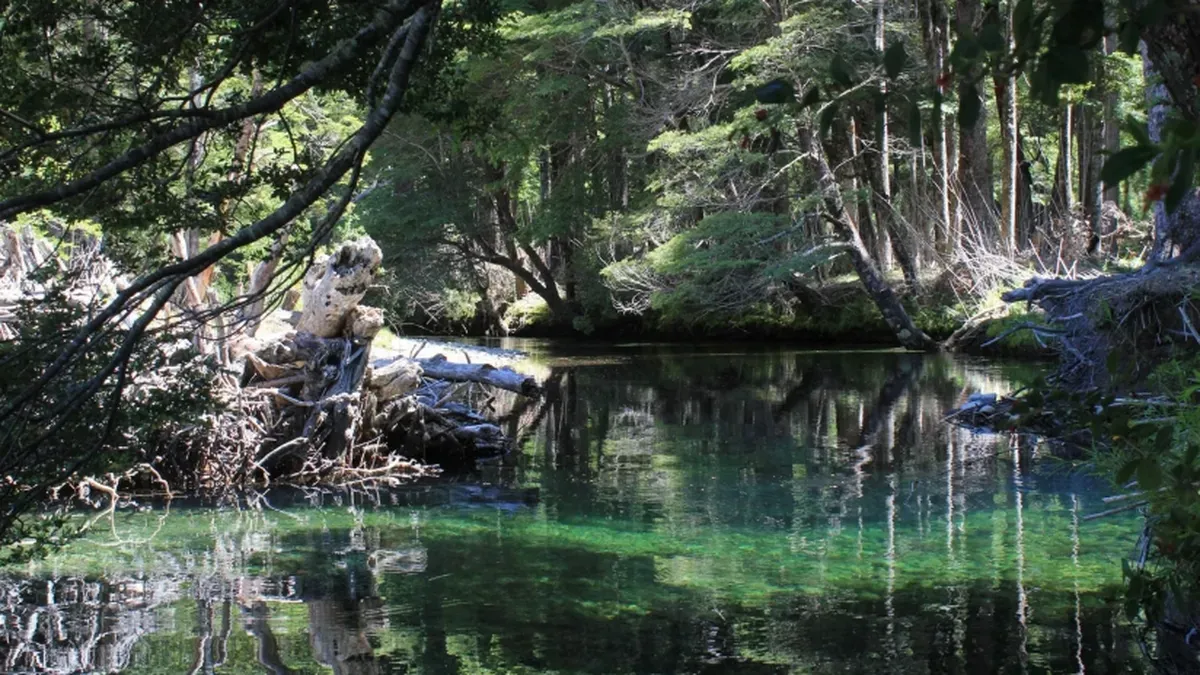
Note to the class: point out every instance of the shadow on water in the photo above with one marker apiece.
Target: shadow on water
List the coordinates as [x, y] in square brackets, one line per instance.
[670, 510]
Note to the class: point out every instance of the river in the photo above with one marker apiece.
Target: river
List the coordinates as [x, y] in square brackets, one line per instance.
[673, 510]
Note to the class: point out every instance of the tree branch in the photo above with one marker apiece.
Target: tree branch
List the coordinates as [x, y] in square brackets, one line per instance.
[318, 185]
[386, 20]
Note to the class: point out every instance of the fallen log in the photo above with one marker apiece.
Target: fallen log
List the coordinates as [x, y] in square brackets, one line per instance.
[440, 368]
[396, 379]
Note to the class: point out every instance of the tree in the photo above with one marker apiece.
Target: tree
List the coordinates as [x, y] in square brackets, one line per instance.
[975, 205]
[107, 125]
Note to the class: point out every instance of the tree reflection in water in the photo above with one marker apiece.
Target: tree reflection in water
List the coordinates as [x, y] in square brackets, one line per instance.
[668, 511]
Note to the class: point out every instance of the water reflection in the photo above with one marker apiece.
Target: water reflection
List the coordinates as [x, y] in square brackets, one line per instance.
[668, 511]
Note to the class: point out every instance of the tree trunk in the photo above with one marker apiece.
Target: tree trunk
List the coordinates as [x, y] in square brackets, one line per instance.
[858, 167]
[1062, 200]
[1088, 140]
[954, 230]
[885, 217]
[1006, 105]
[974, 162]
[545, 287]
[934, 37]
[885, 299]
[260, 281]
[503, 378]
[1112, 125]
[881, 191]
[1025, 212]
[1174, 231]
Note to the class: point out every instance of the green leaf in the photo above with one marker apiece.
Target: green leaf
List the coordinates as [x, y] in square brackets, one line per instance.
[1149, 474]
[1138, 130]
[914, 124]
[969, 107]
[1115, 362]
[1067, 64]
[1164, 439]
[1125, 473]
[827, 117]
[894, 60]
[1181, 183]
[811, 98]
[839, 70]
[1128, 37]
[1126, 162]
[1022, 24]
[1043, 87]
[775, 91]
[966, 50]
[991, 39]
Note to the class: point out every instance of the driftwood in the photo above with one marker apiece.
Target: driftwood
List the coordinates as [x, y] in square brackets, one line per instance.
[440, 368]
[398, 378]
[334, 287]
[1132, 320]
[330, 413]
[309, 407]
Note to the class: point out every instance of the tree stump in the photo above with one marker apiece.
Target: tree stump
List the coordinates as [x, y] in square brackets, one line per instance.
[334, 286]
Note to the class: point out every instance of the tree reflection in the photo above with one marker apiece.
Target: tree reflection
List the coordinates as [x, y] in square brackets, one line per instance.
[666, 512]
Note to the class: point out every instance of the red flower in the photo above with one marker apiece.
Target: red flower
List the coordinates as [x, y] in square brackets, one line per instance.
[943, 80]
[1156, 192]
[760, 114]
[745, 142]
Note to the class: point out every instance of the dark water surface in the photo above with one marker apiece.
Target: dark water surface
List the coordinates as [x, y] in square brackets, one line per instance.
[671, 510]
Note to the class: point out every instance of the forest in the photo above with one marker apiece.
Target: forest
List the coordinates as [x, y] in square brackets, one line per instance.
[222, 224]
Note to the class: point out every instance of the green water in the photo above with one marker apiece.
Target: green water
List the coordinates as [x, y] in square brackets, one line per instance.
[669, 510]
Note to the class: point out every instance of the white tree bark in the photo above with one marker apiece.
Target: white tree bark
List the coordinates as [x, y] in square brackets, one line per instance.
[335, 285]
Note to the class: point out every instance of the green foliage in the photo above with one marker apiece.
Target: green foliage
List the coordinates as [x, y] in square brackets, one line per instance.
[1151, 448]
[530, 310]
[164, 385]
[726, 265]
[1015, 339]
[1126, 162]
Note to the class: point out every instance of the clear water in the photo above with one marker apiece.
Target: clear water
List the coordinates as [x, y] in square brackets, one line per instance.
[673, 510]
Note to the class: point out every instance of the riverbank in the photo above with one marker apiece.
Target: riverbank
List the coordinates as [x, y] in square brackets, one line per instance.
[839, 315]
